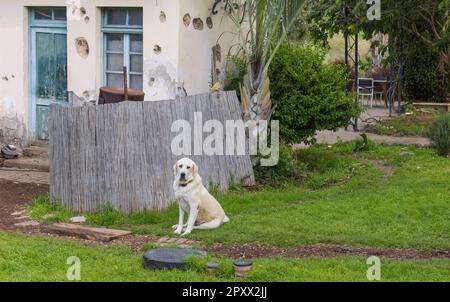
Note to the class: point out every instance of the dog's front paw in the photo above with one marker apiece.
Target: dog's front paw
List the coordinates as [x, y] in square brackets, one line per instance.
[175, 226]
[178, 231]
[187, 232]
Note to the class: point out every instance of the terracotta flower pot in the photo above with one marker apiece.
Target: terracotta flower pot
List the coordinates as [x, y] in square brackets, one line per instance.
[212, 268]
[241, 267]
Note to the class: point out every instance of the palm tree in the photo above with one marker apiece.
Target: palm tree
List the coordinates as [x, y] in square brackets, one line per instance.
[262, 26]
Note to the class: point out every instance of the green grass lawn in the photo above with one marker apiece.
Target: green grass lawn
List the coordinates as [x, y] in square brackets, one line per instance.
[406, 125]
[346, 199]
[27, 258]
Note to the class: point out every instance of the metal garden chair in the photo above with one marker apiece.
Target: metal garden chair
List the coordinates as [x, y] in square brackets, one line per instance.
[366, 90]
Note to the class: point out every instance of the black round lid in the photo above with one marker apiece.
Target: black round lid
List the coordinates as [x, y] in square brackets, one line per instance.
[169, 257]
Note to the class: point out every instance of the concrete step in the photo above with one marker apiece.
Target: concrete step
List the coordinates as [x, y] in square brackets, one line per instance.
[35, 151]
[28, 163]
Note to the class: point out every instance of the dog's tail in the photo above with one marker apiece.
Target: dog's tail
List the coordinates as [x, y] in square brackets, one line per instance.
[226, 219]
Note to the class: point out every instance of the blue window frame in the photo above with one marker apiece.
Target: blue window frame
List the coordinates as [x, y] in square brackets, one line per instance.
[48, 17]
[122, 46]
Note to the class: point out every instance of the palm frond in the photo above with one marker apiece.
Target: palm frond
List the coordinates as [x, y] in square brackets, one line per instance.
[265, 26]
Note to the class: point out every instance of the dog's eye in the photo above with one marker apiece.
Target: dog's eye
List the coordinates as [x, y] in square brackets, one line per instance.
[188, 167]
[180, 166]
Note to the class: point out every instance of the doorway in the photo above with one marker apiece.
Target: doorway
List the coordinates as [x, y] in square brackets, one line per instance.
[48, 66]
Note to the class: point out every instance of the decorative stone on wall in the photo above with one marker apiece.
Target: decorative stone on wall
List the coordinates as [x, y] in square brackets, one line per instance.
[198, 23]
[76, 12]
[82, 47]
[187, 20]
[209, 22]
[157, 49]
[162, 17]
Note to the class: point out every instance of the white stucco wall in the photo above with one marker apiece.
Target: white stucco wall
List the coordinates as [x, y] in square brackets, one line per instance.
[196, 45]
[13, 78]
[185, 58]
[85, 74]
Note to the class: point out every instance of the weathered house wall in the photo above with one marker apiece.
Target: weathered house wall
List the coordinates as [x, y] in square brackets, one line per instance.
[176, 57]
[13, 77]
[196, 42]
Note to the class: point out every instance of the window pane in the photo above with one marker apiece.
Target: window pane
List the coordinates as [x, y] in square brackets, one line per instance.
[136, 82]
[114, 80]
[43, 14]
[136, 63]
[45, 65]
[114, 62]
[114, 42]
[136, 43]
[135, 16]
[116, 16]
[60, 14]
[61, 66]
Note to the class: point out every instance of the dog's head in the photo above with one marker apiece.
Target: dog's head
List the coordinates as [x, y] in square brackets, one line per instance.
[185, 170]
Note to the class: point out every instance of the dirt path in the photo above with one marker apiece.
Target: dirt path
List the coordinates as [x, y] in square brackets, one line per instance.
[332, 137]
[367, 118]
[13, 198]
[323, 251]
[136, 243]
[387, 170]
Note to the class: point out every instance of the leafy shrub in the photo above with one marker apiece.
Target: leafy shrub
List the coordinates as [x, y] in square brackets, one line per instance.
[317, 166]
[363, 144]
[235, 70]
[423, 80]
[309, 94]
[439, 134]
[288, 167]
[410, 109]
[365, 64]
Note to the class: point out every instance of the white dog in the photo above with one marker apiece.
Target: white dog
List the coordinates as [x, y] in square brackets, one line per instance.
[203, 209]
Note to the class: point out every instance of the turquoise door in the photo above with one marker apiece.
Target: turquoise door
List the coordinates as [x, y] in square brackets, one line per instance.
[48, 75]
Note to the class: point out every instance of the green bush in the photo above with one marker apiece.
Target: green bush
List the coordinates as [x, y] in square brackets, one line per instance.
[317, 166]
[309, 94]
[423, 80]
[439, 134]
[235, 70]
[288, 168]
[363, 144]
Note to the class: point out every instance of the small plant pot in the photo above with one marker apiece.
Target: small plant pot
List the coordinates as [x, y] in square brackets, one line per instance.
[241, 267]
[212, 268]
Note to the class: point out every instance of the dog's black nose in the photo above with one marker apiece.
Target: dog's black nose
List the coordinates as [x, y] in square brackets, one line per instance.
[182, 175]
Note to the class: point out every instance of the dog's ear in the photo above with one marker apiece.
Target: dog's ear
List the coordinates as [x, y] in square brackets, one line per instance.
[194, 169]
[175, 169]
